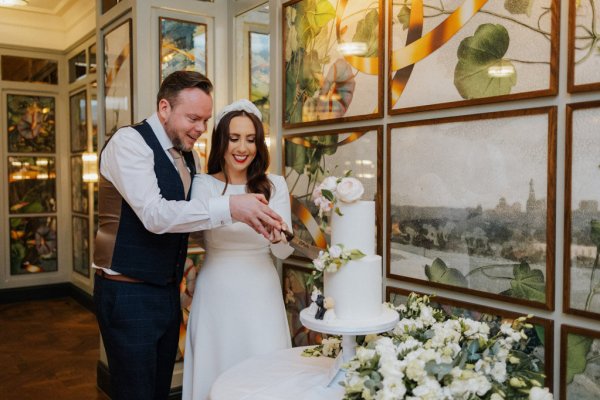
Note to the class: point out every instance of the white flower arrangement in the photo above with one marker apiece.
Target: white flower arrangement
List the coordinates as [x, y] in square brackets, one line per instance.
[329, 347]
[346, 189]
[430, 355]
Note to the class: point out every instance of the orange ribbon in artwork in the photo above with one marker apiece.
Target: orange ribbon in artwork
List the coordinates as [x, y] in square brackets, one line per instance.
[418, 47]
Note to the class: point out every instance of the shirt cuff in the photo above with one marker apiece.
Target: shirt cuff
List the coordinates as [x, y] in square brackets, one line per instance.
[219, 211]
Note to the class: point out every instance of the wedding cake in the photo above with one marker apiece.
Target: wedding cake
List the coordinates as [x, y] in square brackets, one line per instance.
[356, 288]
[352, 275]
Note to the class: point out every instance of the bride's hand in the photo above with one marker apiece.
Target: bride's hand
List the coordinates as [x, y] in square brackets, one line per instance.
[277, 235]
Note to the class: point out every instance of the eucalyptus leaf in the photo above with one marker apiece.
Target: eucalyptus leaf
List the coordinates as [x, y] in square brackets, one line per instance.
[479, 56]
[440, 273]
[527, 283]
[518, 6]
[367, 31]
[577, 349]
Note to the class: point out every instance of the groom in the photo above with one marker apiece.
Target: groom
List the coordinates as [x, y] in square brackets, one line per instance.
[145, 214]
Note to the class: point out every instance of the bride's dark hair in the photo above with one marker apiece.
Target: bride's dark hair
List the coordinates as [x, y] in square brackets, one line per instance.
[257, 181]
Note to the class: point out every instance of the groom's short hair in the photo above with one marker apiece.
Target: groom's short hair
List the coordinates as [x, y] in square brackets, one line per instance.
[180, 80]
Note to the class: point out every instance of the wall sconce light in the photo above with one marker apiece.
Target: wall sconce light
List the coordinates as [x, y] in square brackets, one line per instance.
[90, 167]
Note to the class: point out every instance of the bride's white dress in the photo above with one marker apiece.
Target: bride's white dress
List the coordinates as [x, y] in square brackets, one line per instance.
[237, 310]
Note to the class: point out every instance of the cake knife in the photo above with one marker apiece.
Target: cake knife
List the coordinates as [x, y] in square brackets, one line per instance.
[300, 245]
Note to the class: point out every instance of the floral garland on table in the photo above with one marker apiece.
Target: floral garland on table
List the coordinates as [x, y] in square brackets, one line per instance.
[430, 355]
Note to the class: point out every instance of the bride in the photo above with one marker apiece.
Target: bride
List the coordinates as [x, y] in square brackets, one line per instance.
[237, 310]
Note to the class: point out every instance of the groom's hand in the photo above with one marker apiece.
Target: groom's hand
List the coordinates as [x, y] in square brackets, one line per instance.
[253, 210]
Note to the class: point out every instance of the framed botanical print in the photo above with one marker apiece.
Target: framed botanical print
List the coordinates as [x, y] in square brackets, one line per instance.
[296, 296]
[182, 46]
[310, 158]
[582, 211]
[583, 71]
[31, 123]
[81, 245]
[118, 77]
[78, 117]
[33, 245]
[332, 61]
[540, 337]
[470, 52]
[259, 74]
[471, 204]
[579, 363]
[31, 185]
[79, 188]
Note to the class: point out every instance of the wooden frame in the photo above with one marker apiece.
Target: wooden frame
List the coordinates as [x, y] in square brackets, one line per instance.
[78, 121]
[466, 56]
[547, 324]
[575, 40]
[321, 151]
[118, 81]
[81, 244]
[186, 56]
[580, 349]
[454, 230]
[295, 291]
[579, 242]
[335, 87]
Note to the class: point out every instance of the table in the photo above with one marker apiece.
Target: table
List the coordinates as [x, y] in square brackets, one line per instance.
[284, 374]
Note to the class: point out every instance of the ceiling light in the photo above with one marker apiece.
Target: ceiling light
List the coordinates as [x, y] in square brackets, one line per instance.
[11, 3]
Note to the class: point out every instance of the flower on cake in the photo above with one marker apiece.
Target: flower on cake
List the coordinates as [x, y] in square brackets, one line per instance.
[331, 189]
[432, 355]
[331, 260]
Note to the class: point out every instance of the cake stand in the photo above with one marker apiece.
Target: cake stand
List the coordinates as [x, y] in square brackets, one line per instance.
[349, 329]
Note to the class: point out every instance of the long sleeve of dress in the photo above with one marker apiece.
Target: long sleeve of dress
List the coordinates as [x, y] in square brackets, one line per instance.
[280, 203]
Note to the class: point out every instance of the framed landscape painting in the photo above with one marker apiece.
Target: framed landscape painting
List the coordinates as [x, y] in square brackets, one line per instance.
[308, 159]
[78, 125]
[332, 61]
[33, 245]
[296, 296]
[31, 124]
[31, 185]
[81, 245]
[540, 342]
[582, 211]
[470, 52]
[118, 77]
[583, 71]
[471, 204]
[579, 363]
[259, 74]
[182, 46]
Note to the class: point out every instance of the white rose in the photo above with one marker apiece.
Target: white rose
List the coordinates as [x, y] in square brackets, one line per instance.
[329, 183]
[349, 190]
[537, 393]
[335, 251]
[318, 263]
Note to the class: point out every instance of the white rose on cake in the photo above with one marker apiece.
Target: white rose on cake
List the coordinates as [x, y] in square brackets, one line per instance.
[349, 190]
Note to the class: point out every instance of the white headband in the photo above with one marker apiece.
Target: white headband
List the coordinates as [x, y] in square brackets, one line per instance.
[240, 105]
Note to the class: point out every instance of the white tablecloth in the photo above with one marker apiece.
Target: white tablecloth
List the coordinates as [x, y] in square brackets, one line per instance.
[284, 374]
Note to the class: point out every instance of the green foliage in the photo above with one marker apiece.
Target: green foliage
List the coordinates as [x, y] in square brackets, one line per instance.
[306, 160]
[518, 6]
[476, 55]
[577, 349]
[527, 283]
[404, 17]
[367, 31]
[439, 272]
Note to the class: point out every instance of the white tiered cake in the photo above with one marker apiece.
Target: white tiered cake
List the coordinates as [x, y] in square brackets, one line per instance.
[356, 287]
